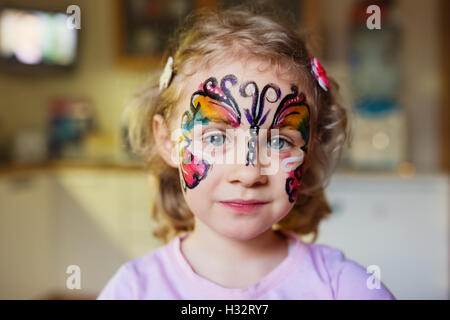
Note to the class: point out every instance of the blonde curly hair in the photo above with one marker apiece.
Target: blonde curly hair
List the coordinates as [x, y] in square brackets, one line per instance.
[209, 36]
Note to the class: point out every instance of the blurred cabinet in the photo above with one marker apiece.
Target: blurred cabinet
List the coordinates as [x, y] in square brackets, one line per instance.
[95, 219]
[103, 220]
[400, 225]
[117, 202]
[25, 235]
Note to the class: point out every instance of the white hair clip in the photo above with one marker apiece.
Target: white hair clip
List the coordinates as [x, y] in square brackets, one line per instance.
[166, 75]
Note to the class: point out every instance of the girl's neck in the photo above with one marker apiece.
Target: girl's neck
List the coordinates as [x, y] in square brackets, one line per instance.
[226, 250]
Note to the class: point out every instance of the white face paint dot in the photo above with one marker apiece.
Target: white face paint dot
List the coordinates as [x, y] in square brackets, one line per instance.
[271, 95]
[250, 90]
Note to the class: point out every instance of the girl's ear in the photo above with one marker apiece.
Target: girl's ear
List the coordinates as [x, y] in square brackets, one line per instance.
[163, 140]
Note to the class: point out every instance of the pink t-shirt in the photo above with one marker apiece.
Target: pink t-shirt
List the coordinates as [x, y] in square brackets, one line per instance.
[310, 271]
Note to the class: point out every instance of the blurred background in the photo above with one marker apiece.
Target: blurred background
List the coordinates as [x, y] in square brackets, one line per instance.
[71, 192]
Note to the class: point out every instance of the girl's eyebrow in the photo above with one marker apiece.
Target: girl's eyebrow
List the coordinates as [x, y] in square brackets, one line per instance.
[285, 122]
[289, 131]
[213, 120]
[217, 122]
[291, 121]
[216, 114]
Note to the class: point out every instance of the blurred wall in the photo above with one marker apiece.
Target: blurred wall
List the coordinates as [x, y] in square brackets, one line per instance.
[421, 63]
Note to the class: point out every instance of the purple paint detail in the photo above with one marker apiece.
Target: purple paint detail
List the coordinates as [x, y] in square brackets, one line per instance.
[278, 94]
[264, 118]
[254, 107]
[248, 116]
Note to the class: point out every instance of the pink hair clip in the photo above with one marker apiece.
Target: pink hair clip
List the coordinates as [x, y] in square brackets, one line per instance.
[319, 73]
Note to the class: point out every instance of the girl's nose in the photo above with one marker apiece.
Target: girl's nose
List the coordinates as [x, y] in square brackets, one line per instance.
[247, 176]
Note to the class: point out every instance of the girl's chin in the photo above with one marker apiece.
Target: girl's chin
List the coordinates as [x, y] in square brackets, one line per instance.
[241, 233]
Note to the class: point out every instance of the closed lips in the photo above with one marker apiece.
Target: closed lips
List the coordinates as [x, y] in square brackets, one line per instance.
[244, 206]
[244, 202]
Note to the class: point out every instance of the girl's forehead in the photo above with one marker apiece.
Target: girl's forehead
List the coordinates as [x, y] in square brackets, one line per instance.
[245, 71]
[258, 71]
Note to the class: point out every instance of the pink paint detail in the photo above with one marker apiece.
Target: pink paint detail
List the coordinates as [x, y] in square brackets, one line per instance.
[193, 169]
[216, 90]
[232, 117]
[293, 183]
[286, 109]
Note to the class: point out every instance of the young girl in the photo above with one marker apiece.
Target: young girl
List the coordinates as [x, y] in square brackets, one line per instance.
[242, 133]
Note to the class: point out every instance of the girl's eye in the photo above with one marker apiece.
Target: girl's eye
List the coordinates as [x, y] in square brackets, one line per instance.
[278, 143]
[217, 139]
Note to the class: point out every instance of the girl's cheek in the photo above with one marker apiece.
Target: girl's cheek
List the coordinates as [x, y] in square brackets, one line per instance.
[290, 160]
[198, 160]
[194, 165]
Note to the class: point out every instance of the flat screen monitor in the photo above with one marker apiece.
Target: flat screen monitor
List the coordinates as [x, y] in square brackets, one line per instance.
[37, 38]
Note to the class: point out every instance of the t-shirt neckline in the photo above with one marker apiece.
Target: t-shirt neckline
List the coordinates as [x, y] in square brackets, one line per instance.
[266, 283]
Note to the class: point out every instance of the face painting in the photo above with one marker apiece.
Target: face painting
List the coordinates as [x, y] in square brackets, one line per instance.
[242, 120]
[293, 113]
[255, 118]
[211, 103]
[214, 103]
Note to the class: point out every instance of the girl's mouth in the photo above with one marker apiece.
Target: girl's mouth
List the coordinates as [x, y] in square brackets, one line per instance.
[244, 206]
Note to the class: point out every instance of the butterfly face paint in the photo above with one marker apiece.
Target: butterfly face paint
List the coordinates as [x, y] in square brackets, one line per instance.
[293, 112]
[255, 117]
[210, 103]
